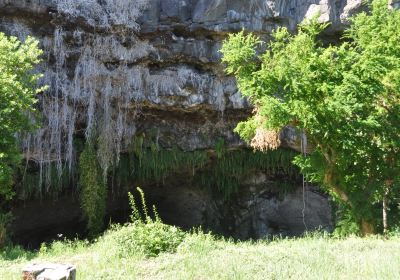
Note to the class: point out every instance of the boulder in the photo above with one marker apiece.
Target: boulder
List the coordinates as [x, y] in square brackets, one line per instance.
[49, 271]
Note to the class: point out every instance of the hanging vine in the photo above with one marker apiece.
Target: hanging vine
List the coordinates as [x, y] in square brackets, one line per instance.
[228, 170]
[222, 170]
[93, 190]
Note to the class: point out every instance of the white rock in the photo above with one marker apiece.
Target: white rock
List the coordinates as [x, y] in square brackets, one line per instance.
[49, 271]
[352, 7]
[322, 10]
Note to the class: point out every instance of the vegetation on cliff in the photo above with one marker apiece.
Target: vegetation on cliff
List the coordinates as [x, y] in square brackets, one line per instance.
[93, 190]
[219, 170]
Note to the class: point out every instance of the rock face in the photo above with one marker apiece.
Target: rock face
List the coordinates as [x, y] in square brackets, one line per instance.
[261, 208]
[147, 64]
[395, 4]
[120, 68]
[266, 212]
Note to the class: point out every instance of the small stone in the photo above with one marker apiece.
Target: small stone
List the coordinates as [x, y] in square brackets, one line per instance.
[49, 271]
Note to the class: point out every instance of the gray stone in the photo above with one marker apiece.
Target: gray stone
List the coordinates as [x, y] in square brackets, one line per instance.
[394, 4]
[49, 271]
[263, 209]
[183, 38]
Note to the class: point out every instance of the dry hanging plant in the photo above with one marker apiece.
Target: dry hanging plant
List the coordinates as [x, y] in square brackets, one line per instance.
[264, 139]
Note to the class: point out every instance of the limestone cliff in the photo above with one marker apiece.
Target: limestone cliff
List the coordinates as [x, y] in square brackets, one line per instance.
[122, 68]
[118, 67]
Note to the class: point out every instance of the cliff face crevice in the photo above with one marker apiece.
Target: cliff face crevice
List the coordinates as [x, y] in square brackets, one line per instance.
[117, 69]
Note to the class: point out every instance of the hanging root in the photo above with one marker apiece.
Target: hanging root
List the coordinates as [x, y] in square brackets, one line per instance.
[265, 140]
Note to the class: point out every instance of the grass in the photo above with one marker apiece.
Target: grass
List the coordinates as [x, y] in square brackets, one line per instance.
[146, 248]
[201, 256]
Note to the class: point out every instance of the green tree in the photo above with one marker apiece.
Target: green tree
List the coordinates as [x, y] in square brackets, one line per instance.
[18, 89]
[344, 98]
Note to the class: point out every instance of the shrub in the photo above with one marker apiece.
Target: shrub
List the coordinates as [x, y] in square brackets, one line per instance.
[346, 225]
[146, 235]
[148, 238]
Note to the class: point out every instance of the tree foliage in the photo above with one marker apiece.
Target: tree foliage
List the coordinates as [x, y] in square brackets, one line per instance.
[18, 89]
[344, 98]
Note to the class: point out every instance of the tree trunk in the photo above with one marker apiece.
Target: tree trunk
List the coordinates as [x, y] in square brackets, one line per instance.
[384, 215]
[385, 208]
[367, 228]
[329, 180]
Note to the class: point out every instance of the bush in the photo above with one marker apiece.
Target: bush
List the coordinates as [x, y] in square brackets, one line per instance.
[11, 252]
[146, 235]
[148, 238]
[346, 224]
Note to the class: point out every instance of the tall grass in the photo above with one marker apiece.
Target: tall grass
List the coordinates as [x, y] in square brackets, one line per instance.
[148, 249]
[202, 256]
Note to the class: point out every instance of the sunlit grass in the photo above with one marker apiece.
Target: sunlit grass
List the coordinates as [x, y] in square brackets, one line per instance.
[202, 256]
